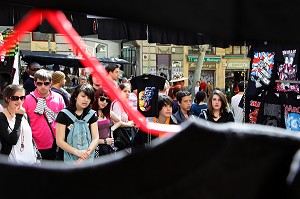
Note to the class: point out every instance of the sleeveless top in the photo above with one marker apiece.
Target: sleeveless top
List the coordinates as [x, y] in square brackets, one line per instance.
[104, 128]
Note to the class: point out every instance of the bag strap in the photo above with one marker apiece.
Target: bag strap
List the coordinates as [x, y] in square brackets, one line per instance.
[69, 114]
[204, 113]
[31, 93]
[89, 115]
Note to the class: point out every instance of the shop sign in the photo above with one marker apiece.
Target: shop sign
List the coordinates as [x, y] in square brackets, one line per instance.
[237, 65]
[193, 58]
[206, 65]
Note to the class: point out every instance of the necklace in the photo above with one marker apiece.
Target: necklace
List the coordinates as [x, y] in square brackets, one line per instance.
[9, 112]
[22, 140]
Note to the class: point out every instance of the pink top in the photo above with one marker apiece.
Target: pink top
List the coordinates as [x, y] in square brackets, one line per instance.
[40, 130]
[104, 128]
[117, 108]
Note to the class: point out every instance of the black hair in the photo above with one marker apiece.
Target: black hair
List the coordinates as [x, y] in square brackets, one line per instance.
[181, 94]
[241, 86]
[200, 97]
[87, 89]
[164, 100]
[111, 67]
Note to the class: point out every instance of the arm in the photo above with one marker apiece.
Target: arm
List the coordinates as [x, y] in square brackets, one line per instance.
[95, 137]
[60, 141]
[116, 120]
[13, 137]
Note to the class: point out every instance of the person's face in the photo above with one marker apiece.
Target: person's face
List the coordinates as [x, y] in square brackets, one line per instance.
[126, 92]
[16, 100]
[103, 101]
[33, 68]
[43, 87]
[82, 81]
[97, 83]
[185, 103]
[115, 74]
[216, 102]
[166, 111]
[82, 101]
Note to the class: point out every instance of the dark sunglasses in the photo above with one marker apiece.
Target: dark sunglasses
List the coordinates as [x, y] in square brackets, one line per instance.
[41, 83]
[34, 69]
[16, 98]
[102, 99]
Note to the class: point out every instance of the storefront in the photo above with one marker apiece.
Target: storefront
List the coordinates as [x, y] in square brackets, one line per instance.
[234, 73]
[207, 72]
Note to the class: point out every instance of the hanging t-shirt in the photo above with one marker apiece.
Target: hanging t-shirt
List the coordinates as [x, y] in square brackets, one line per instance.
[252, 106]
[271, 110]
[262, 76]
[291, 107]
[147, 87]
[287, 69]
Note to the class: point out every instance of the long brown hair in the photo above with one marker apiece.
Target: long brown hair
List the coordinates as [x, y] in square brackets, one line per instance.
[224, 107]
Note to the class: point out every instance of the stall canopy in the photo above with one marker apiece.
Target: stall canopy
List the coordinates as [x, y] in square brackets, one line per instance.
[45, 58]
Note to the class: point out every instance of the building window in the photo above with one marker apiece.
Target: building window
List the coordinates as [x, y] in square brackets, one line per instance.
[236, 50]
[196, 50]
[37, 36]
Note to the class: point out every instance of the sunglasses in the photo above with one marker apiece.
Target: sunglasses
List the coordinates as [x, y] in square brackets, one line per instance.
[16, 98]
[102, 99]
[41, 83]
[34, 69]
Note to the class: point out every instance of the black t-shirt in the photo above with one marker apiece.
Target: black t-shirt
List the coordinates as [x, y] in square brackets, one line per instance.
[262, 68]
[148, 87]
[291, 104]
[62, 118]
[287, 68]
[271, 110]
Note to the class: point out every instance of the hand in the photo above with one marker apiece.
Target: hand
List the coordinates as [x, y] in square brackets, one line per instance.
[20, 110]
[131, 123]
[83, 154]
[110, 141]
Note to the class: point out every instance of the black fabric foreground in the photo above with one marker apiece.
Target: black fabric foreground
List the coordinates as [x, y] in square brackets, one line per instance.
[218, 161]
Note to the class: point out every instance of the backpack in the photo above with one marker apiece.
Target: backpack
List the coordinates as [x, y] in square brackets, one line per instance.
[79, 136]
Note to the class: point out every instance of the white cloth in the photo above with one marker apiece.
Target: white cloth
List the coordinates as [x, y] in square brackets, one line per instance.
[237, 111]
[42, 107]
[27, 156]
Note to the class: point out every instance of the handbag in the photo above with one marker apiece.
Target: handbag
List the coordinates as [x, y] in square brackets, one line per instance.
[124, 137]
[103, 149]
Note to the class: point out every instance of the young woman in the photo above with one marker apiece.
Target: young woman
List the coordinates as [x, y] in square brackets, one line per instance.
[105, 119]
[218, 110]
[117, 108]
[80, 101]
[15, 131]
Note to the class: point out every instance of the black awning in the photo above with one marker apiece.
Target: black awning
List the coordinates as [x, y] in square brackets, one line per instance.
[45, 58]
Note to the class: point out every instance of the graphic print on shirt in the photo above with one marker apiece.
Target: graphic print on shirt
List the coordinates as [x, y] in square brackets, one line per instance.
[262, 66]
[292, 116]
[271, 110]
[288, 71]
[145, 98]
[252, 107]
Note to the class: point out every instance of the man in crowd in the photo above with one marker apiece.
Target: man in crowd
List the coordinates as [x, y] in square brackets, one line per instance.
[58, 82]
[113, 71]
[42, 107]
[29, 82]
[184, 100]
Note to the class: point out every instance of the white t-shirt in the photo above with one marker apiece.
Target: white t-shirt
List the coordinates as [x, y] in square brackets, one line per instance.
[27, 155]
[237, 111]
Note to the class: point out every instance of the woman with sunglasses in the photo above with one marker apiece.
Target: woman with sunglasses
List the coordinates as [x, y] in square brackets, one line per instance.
[15, 132]
[105, 119]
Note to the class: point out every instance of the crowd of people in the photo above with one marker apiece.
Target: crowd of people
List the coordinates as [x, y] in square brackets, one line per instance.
[34, 124]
